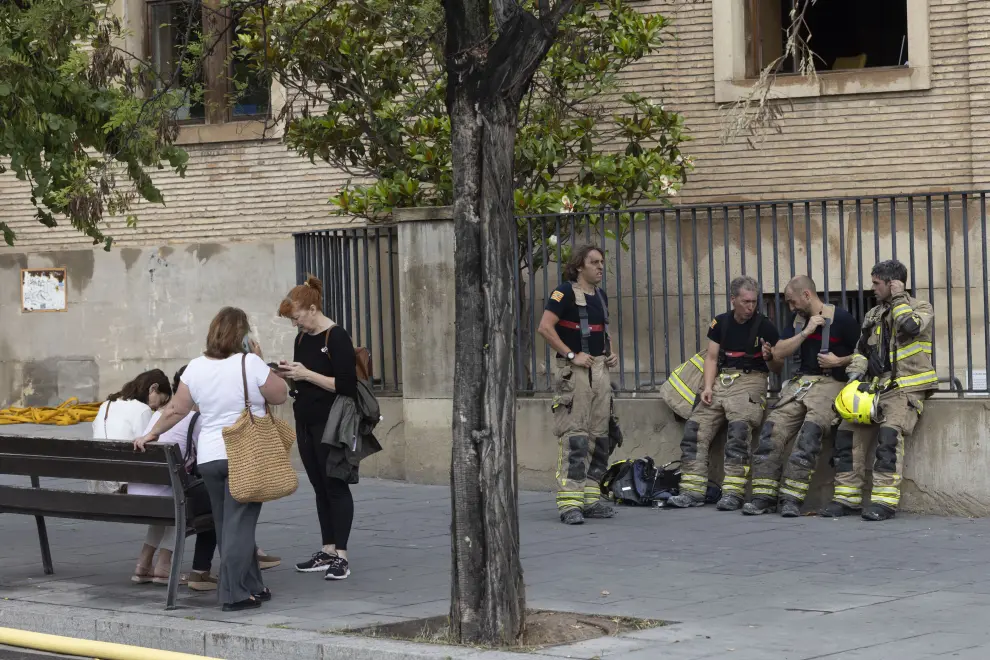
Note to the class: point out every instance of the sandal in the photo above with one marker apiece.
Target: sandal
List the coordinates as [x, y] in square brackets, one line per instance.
[247, 604]
[162, 580]
[142, 575]
[200, 581]
[263, 596]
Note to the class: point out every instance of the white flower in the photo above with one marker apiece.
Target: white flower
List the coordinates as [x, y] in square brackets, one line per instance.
[664, 181]
[552, 240]
[566, 205]
[678, 160]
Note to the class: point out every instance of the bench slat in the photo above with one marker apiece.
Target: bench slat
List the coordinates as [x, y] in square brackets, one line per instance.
[85, 468]
[105, 450]
[149, 510]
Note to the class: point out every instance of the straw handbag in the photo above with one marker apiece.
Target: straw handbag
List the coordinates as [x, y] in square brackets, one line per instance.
[258, 454]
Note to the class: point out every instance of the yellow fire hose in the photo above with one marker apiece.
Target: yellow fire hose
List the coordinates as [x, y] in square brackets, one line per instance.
[68, 413]
[86, 648]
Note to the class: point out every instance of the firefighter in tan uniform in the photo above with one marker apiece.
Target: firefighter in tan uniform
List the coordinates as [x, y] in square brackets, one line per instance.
[824, 337]
[575, 324]
[890, 376]
[735, 390]
[680, 391]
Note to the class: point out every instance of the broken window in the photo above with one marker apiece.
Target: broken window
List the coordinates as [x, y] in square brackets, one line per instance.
[843, 34]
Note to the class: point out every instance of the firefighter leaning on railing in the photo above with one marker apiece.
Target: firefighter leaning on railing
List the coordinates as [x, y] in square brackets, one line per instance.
[890, 376]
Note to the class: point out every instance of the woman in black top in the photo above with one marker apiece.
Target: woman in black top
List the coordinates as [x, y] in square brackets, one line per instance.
[322, 369]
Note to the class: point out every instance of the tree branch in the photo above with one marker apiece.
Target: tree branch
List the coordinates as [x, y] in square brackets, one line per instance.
[504, 11]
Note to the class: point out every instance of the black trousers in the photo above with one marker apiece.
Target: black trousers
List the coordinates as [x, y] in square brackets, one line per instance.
[334, 502]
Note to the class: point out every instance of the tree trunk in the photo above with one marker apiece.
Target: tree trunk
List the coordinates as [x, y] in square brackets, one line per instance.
[485, 85]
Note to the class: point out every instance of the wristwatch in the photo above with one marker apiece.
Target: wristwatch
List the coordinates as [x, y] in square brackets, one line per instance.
[570, 355]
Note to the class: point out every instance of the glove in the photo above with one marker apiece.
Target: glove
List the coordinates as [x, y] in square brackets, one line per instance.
[854, 375]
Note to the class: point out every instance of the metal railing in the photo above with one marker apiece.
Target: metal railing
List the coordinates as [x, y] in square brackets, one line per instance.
[667, 273]
[359, 272]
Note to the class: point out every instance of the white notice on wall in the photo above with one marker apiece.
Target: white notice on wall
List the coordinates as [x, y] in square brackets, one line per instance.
[43, 290]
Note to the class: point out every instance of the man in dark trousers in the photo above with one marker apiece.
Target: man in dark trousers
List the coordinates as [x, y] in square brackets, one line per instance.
[824, 337]
[735, 391]
[575, 324]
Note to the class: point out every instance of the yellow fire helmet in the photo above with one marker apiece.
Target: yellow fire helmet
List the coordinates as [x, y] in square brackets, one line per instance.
[856, 406]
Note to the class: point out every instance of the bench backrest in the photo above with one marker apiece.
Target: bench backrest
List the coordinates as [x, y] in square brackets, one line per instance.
[106, 460]
[100, 460]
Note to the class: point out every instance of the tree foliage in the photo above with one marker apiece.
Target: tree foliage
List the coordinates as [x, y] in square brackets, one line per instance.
[77, 124]
[369, 97]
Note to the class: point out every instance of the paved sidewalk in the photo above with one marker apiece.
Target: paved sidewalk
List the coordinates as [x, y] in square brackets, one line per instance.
[741, 588]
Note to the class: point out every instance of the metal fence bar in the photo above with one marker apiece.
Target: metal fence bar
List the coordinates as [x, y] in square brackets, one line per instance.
[697, 288]
[859, 257]
[635, 293]
[546, 292]
[680, 285]
[931, 266]
[776, 269]
[666, 314]
[969, 324]
[381, 315]
[824, 245]
[728, 273]
[742, 240]
[948, 281]
[711, 263]
[842, 253]
[893, 228]
[531, 316]
[393, 236]
[618, 288]
[649, 304]
[914, 278]
[986, 289]
[807, 235]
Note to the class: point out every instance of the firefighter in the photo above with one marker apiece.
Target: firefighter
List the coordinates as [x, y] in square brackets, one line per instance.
[575, 325]
[824, 337]
[890, 376]
[680, 391]
[735, 390]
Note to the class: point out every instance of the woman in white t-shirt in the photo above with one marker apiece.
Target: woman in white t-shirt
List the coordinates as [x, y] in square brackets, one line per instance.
[214, 384]
[125, 416]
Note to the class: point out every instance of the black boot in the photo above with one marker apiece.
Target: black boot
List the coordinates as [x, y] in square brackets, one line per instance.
[790, 509]
[572, 517]
[758, 506]
[878, 512]
[729, 502]
[837, 510]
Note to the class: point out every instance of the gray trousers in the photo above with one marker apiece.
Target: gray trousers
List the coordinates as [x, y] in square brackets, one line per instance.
[240, 575]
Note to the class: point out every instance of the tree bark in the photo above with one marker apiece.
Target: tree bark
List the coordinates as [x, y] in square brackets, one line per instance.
[486, 82]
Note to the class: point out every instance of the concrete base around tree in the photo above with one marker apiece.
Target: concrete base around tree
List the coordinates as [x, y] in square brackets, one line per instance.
[751, 588]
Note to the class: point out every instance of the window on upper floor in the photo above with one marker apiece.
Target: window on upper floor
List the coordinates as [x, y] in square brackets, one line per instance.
[844, 34]
[231, 91]
[860, 46]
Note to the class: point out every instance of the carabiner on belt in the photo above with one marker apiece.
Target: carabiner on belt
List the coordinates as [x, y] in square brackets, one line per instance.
[803, 387]
[727, 379]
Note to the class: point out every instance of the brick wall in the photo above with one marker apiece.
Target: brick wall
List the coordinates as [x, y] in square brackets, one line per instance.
[841, 145]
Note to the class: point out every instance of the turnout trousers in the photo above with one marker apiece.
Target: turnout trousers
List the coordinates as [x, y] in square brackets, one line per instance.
[805, 410]
[901, 412]
[581, 407]
[738, 401]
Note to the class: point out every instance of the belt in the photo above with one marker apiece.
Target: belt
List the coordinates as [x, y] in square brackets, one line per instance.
[571, 325]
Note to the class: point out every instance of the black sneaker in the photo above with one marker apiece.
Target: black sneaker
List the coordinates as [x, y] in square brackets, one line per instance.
[318, 562]
[337, 569]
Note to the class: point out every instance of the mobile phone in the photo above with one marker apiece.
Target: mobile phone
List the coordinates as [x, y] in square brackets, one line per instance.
[246, 343]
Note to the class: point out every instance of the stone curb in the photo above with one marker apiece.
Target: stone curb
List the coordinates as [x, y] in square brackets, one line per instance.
[220, 639]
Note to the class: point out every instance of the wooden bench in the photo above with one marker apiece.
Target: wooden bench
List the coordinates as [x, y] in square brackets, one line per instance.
[100, 460]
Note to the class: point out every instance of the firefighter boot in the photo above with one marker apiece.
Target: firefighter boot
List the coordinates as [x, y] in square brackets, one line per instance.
[759, 505]
[837, 510]
[572, 517]
[729, 502]
[599, 510]
[686, 500]
[878, 512]
[790, 509]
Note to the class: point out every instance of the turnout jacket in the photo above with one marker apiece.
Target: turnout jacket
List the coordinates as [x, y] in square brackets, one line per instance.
[896, 345]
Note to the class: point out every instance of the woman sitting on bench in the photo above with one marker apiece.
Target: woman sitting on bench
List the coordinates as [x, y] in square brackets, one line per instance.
[124, 416]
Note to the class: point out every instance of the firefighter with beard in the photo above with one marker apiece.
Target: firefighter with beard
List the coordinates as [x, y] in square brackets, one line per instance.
[824, 337]
[734, 394]
[890, 376]
[575, 325]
